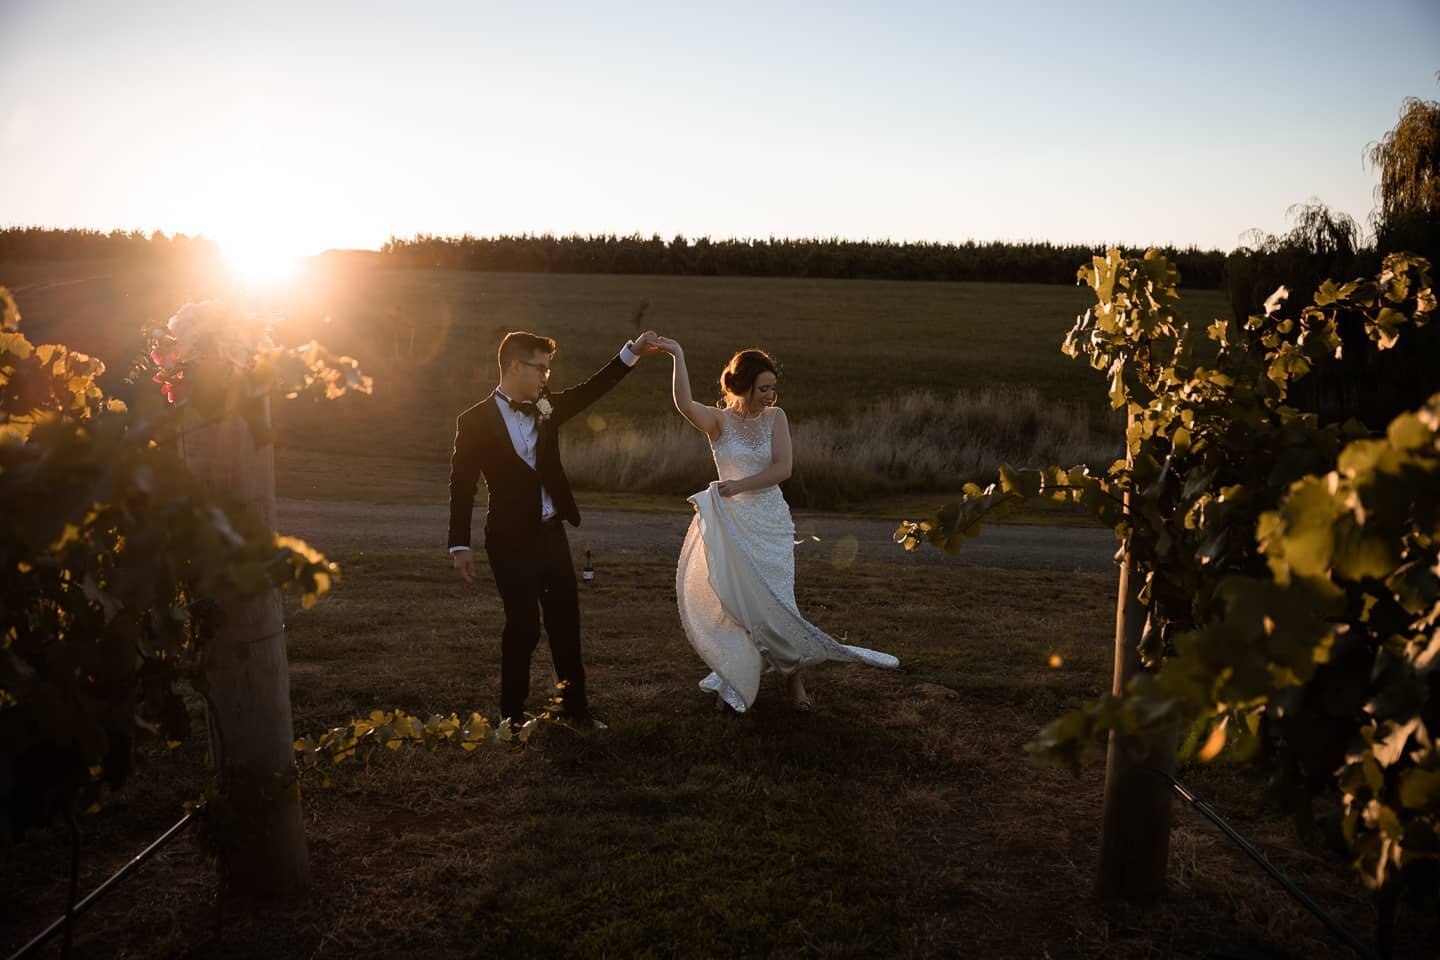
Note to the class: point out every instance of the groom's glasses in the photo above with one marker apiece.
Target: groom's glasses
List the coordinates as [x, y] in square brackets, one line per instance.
[544, 368]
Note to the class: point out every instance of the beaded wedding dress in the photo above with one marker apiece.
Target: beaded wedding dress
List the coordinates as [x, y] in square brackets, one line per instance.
[736, 580]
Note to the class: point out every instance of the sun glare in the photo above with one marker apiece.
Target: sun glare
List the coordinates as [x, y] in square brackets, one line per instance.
[256, 260]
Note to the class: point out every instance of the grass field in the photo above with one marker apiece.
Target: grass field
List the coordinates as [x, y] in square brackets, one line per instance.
[429, 338]
[899, 819]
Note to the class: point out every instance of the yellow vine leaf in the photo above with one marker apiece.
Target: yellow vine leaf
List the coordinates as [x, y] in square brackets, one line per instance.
[1215, 742]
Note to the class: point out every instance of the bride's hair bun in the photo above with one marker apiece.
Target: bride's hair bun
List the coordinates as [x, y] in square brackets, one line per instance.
[740, 374]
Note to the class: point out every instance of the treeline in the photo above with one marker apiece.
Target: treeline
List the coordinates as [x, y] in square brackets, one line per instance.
[45, 243]
[832, 258]
[1362, 381]
[1322, 243]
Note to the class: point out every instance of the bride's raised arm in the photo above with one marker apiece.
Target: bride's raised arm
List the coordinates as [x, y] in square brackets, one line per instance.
[703, 418]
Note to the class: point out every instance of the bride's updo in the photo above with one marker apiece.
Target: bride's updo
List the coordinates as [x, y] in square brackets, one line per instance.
[740, 375]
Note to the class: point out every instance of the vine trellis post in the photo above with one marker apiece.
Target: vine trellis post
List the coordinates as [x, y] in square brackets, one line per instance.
[1135, 816]
[245, 680]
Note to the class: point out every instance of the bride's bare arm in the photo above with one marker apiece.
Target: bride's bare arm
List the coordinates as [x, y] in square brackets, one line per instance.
[705, 419]
[781, 461]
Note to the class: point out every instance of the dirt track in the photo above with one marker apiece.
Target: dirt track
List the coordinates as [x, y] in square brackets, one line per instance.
[334, 525]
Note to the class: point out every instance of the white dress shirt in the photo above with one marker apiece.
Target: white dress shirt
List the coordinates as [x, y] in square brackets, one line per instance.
[525, 435]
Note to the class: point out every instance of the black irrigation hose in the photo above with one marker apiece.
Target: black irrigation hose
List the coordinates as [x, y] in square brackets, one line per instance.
[1299, 895]
[44, 936]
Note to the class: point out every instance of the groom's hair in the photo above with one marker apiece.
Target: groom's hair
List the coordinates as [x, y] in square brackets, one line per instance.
[520, 345]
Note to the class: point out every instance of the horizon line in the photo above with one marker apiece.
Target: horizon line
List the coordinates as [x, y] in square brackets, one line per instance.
[636, 234]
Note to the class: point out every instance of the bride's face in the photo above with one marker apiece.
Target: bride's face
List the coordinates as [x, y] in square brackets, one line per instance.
[763, 394]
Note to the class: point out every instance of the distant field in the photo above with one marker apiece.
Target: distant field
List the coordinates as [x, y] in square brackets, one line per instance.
[429, 338]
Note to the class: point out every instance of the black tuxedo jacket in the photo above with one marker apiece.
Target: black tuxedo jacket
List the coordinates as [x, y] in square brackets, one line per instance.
[483, 448]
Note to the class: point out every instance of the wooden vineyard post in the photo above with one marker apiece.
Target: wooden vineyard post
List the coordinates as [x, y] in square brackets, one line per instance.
[1135, 818]
[246, 683]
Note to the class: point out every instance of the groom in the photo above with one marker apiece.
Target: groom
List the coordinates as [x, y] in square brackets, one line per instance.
[512, 439]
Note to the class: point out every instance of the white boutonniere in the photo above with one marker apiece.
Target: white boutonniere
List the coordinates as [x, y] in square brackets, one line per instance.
[544, 406]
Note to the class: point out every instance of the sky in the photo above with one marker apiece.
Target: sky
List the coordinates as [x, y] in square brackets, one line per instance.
[300, 127]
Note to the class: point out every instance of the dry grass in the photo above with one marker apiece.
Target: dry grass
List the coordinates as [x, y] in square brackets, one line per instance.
[900, 819]
[917, 442]
[909, 443]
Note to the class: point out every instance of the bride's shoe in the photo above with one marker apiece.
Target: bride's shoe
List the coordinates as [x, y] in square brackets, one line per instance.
[799, 698]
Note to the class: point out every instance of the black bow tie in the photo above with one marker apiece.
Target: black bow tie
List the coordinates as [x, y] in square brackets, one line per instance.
[526, 407]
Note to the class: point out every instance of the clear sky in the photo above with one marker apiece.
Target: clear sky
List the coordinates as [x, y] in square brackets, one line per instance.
[339, 124]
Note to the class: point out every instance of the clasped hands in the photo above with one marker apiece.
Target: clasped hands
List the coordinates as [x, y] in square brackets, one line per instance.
[651, 342]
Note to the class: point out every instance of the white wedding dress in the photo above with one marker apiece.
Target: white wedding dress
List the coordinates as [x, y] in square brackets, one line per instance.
[736, 580]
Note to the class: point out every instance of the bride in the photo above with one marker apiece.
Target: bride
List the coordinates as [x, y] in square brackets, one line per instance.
[736, 579]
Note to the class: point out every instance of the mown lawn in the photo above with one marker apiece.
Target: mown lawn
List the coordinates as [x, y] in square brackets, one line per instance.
[901, 818]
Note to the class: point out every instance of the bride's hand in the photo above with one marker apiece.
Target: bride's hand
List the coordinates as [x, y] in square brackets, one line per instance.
[671, 347]
[645, 344]
[728, 488]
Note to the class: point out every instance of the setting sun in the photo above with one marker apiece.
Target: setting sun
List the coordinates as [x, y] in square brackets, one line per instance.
[256, 259]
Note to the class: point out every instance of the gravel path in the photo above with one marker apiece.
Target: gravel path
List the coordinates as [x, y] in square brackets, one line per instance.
[334, 526]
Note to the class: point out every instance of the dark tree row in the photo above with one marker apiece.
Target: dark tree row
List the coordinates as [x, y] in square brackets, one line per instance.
[1037, 262]
[1322, 243]
[45, 243]
[1361, 380]
[833, 258]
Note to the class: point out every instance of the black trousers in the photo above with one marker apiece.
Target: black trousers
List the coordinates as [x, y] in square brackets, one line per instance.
[537, 577]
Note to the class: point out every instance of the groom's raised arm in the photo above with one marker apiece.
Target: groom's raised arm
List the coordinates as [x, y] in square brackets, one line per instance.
[570, 402]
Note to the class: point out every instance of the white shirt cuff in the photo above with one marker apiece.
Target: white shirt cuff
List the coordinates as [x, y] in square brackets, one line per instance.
[458, 549]
[627, 355]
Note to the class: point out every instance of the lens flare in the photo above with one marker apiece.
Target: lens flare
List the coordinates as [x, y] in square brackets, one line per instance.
[257, 261]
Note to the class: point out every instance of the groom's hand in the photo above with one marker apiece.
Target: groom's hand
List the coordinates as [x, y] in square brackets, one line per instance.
[464, 562]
